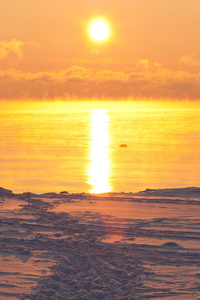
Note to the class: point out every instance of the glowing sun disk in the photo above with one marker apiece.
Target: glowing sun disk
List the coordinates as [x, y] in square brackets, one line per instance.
[99, 31]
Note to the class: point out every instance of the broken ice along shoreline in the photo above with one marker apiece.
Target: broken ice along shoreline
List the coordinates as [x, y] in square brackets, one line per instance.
[109, 246]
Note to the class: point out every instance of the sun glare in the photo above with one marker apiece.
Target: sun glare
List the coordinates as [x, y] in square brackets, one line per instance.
[99, 30]
[99, 170]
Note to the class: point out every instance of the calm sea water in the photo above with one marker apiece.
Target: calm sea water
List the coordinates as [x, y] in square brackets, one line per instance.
[74, 146]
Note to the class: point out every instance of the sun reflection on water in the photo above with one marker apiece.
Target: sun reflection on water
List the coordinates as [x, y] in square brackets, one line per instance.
[99, 169]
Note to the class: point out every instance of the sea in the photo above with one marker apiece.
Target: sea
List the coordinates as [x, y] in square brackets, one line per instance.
[99, 146]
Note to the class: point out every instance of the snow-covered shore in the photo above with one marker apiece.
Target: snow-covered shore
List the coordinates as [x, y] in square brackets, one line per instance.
[109, 246]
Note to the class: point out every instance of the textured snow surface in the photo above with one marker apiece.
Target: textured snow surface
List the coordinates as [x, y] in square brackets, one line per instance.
[110, 246]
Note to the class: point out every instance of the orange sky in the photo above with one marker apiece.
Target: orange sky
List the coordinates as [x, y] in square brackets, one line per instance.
[153, 50]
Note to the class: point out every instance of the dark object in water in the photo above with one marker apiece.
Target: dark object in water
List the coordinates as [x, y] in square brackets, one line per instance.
[123, 146]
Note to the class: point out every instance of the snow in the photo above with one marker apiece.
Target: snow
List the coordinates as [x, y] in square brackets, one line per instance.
[109, 246]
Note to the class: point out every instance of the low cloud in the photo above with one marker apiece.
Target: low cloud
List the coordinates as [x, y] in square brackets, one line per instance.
[33, 44]
[95, 52]
[143, 65]
[11, 51]
[154, 82]
[190, 60]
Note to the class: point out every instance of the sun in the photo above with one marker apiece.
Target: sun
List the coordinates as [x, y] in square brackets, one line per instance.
[99, 30]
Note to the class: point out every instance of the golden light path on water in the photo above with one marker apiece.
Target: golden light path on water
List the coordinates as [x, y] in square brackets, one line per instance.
[99, 169]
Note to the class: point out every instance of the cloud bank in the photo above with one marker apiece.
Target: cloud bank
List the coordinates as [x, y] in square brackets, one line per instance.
[86, 83]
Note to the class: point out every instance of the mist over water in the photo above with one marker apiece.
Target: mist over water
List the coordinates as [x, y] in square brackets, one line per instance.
[75, 146]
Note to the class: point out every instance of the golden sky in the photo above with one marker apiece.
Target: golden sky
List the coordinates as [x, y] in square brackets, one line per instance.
[153, 50]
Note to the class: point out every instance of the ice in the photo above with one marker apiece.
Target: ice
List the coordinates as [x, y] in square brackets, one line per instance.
[109, 246]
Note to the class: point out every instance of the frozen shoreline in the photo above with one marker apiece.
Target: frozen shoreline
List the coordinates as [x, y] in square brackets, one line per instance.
[109, 246]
